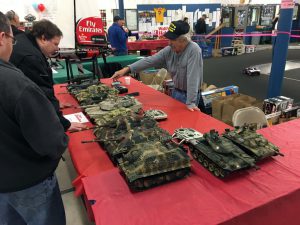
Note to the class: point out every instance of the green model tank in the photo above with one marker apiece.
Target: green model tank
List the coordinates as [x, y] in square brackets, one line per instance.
[119, 144]
[156, 114]
[109, 117]
[94, 94]
[151, 164]
[112, 103]
[74, 88]
[216, 153]
[251, 142]
[124, 124]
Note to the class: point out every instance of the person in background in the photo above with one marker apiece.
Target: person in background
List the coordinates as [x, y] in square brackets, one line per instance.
[200, 27]
[275, 23]
[183, 59]
[30, 55]
[32, 142]
[117, 36]
[14, 22]
[186, 19]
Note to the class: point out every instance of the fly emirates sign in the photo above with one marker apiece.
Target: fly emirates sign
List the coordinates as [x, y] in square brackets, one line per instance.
[89, 30]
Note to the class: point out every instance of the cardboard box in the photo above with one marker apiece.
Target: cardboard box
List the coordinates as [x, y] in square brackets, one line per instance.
[272, 105]
[223, 108]
[217, 105]
[291, 112]
[208, 96]
[289, 100]
[228, 110]
[147, 76]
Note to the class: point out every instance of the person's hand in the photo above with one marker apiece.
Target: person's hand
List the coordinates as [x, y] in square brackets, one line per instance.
[193, 108]
[120, 73]
[77, 126]
[126, 29]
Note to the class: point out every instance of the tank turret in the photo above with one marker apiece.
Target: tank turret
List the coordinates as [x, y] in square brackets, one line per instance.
[124, 141]
[156, 114]
[152, 163]
[111, 116]
[251, 142]
[112, 103]
[94, 94]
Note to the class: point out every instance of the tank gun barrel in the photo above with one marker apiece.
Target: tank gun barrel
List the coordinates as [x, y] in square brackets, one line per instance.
[100, 140]
[90, 128]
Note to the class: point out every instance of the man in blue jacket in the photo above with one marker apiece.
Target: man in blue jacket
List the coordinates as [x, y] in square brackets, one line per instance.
[117, 36]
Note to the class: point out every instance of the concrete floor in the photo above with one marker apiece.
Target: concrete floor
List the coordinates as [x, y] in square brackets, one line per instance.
[74, 207]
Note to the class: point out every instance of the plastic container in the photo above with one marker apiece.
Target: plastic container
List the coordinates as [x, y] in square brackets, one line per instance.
[255, 40]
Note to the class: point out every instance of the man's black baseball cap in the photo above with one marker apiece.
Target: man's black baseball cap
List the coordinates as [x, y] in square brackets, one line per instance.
[117, 18]
[176, 29]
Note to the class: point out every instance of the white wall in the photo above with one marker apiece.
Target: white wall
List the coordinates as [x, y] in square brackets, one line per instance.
[59, 12]
[142, 2]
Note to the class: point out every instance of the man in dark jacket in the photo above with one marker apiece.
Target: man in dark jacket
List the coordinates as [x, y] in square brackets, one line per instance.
[29, 55]
[200, 27]
[117, 36]
[32, 141]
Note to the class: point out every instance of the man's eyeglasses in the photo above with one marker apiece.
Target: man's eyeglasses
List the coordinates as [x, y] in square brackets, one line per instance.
[14, 41]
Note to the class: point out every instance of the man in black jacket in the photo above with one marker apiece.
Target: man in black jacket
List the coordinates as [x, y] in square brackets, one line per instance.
[200, 27]
[32, 141]
[29, 55]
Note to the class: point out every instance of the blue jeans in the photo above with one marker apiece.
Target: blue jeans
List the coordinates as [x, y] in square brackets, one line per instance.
[38, 205]
[181, 96]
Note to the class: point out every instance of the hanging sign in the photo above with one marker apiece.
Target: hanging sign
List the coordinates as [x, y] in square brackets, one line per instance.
[89, 31]
[161, 30]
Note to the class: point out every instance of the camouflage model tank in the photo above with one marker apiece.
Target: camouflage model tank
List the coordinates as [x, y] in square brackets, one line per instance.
[94, 94]
[124, 124]
[112, 103]
[74, 88]
[119, 144]
[218, 154]
[152, 163]
[109, 117]
[252, 143]
[156, 114]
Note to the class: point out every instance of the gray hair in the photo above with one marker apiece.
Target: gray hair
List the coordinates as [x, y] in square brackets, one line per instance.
[185, 37]
[4, 24]
[10, 15]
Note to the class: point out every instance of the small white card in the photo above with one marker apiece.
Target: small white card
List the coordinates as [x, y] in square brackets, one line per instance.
[77, 117]
[54, 71]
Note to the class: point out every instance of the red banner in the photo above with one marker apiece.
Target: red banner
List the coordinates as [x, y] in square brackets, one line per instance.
[89, 31]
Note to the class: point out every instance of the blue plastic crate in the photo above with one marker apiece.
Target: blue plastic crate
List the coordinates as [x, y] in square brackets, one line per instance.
[206, 51]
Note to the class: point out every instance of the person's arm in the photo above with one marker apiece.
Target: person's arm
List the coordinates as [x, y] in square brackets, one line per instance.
[148, 62]
[32, 67]
[122, 35]
[39, 123]
[194, 77]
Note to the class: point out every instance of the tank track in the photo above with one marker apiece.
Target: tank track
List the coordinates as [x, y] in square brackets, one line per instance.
[208, 164]
[158, 179]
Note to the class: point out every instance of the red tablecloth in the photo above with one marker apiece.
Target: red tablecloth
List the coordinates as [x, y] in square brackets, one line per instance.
[270, 195]
[147, 45]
